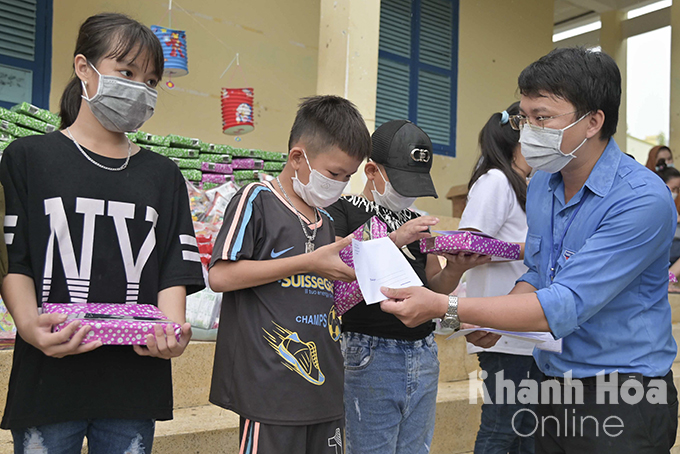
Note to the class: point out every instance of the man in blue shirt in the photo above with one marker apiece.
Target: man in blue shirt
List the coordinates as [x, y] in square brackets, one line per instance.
[600, 230]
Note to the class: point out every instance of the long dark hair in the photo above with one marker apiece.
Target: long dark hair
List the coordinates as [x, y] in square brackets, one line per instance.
[497, 142]
[109, 35]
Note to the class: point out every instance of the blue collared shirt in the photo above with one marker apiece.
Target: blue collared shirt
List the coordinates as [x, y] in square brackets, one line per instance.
[609, 298]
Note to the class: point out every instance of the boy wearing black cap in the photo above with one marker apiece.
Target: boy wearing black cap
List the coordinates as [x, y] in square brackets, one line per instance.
[391, 371]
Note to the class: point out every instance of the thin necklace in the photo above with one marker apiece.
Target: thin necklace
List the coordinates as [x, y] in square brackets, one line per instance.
[111, 169]
[309, 245]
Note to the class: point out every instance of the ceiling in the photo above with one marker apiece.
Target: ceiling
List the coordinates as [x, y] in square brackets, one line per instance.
[574, 10]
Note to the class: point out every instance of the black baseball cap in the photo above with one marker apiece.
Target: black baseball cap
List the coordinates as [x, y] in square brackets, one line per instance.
[406, 153]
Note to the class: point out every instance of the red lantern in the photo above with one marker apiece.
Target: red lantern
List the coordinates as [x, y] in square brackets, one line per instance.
[237, 111]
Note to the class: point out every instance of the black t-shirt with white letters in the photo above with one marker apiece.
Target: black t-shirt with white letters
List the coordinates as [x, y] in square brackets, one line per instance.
[86, 234]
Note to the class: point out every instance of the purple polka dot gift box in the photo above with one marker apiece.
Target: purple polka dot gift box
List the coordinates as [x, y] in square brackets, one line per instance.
[113, 324]
[347, 294]
[455, 241]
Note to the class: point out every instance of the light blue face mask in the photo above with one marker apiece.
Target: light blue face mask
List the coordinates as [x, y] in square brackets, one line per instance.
[541, 147]
[121, 105]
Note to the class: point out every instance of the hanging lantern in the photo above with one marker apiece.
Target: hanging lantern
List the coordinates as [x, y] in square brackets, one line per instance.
[174, 43]
[237, 111]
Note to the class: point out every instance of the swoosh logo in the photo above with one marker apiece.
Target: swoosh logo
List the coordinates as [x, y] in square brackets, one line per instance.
[280, 253]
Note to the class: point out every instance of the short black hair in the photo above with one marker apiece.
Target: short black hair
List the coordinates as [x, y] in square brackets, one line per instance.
[589, 80]
[327, 121]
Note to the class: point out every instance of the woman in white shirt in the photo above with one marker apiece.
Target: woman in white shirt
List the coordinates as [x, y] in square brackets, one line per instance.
[496, 207]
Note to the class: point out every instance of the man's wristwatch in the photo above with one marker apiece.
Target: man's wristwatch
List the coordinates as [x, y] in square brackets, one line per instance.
[450, 320]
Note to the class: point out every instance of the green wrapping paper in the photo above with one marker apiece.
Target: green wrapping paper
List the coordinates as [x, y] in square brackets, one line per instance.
[183, 153]
[8, 115]
[216, 158]
[246, 182]
[187, 163]
[191, 174]
[152, 139]
[260, 154]
[5, 137]
[274, 166]
[41, 114]
[215, 148]
[276, 156]
[207, 186]
[183, 142]
[16, 131]
[246, 174]
[34, 124]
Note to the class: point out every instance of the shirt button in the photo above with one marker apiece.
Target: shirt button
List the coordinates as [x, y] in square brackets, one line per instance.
[547, 366]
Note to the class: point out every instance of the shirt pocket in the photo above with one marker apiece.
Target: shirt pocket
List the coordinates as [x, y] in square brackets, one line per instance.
[532, 247]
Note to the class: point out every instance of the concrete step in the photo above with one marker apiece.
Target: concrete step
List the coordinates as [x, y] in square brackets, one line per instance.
[208, 429]
[674, 300]
[198, 430]
[191, 374]
[457, 419]
[456, 364]
[205, 429]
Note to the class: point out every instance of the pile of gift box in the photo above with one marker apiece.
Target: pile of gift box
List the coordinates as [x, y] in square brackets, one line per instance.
[206, 165]
[24, 120]
[209, 165]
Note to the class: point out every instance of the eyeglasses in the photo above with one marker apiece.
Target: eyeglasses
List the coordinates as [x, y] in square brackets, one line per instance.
[517, 122]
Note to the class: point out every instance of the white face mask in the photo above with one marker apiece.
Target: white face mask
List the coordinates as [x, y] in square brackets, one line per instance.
[542, 147]
[121, 105]
[391, 199]
[321, 191]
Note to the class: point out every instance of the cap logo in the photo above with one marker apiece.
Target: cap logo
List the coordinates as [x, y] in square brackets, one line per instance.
[421, 155]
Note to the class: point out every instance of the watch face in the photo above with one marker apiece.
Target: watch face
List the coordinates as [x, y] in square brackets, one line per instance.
[450, 323]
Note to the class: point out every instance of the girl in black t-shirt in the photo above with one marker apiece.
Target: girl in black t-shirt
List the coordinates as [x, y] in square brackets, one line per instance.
[91, 217]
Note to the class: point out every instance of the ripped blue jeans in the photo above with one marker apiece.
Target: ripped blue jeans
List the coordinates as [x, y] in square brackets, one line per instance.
[390, 394]
[104, 436]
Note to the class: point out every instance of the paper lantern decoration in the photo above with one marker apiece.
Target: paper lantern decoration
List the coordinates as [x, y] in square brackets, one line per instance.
[174, 43]
[237, 111]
